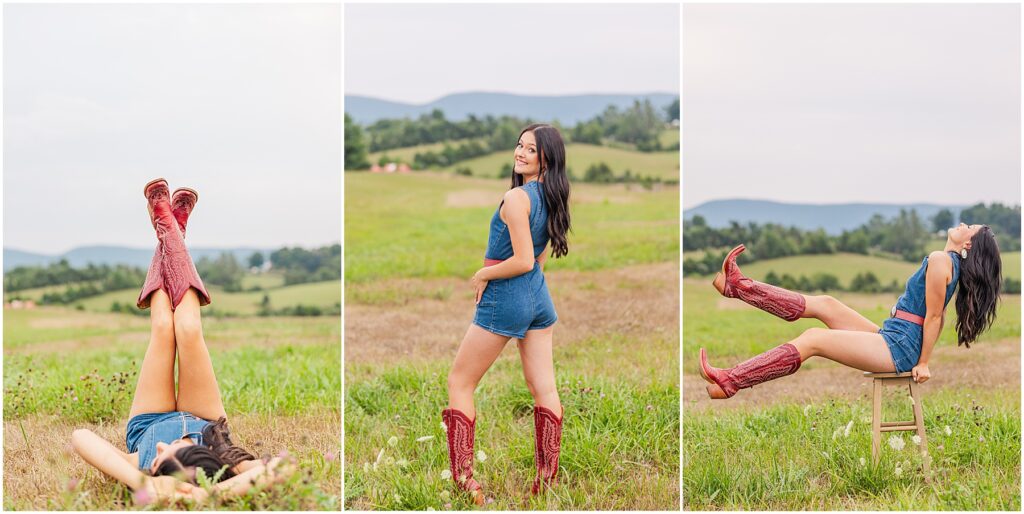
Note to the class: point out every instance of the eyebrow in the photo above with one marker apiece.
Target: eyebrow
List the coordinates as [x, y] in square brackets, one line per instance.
[527, 144]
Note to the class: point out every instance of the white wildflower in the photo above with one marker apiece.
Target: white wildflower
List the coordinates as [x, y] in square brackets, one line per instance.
[898, 471]
[916, 439]
[481, 456]
[897, 443]
[863, 462]
[390, 461]
[948, 431]
[446, 474]
[424, 438]
[380, 457]
[366, 467]
[849, 426]
[445, 495]
[981, 439]
[444, 427]
[402, 463]
[807, 409]
[398, 499]
[393, 441]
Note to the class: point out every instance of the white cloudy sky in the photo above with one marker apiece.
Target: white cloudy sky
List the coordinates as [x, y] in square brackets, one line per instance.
[418, 52]
[843, 103]
[241, 102]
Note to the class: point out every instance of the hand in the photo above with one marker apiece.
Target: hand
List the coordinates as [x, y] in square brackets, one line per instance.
[279, 469]
[921, 373]
[479, 284]
[169, 488]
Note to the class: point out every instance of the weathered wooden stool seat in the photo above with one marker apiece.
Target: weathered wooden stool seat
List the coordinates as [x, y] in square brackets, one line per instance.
[878, 426]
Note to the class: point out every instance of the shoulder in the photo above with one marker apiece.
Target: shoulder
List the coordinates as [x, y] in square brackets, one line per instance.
[939, 256]
[943, 263]
[517, 197]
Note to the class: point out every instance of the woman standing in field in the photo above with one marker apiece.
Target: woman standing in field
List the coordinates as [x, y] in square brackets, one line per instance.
[512, 301]
[969, 260]
[170, 438]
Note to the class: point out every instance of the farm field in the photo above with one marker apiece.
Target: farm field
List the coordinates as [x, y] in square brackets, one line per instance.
[412, 242]
[580, 156]
[66, 369]
[804, 441]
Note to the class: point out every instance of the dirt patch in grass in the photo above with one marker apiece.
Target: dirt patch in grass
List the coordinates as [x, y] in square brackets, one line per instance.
[986, 365]
[634, 301]
[40, 465]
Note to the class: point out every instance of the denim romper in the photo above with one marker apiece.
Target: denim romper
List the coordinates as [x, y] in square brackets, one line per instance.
[904, 337]
[145, 430]
[511, 306]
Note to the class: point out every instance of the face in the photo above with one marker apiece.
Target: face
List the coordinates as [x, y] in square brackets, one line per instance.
[527, 155]
[164, 450]
[962, 234]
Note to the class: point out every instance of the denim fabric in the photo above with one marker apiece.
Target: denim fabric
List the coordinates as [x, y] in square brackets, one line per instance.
[145, 430]
[903, 337]
[512, 306]
[499, 243]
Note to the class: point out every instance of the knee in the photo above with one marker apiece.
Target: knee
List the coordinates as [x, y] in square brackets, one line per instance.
[811, 340]
[162, 322]
[540, 388]
[458, 382]
[187, 328]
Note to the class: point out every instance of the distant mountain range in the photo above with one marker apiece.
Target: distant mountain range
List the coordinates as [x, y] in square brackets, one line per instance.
[834, 218]
[567, 109]
[112, 255]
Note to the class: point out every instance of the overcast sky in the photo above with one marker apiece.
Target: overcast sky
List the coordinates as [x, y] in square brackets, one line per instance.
[852, 103]
[417, 53]
[241, 102]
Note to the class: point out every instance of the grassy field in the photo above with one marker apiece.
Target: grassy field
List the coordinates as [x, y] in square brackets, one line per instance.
[67, 369]
[324, 295]
[435, 225]
[412, 241]
[785, 445]
[580, 156]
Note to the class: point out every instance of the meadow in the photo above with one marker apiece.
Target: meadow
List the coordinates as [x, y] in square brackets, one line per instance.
[412, 242]
[804, 441]
[66, 369]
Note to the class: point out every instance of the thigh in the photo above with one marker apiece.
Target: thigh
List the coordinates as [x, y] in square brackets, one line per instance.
[865, 351]
[836, 315]
[154, 391]
[198, 391]
[535, 350]
[478, 350]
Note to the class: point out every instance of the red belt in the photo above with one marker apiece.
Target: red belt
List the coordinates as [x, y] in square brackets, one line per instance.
[907, 316]
[492, 262]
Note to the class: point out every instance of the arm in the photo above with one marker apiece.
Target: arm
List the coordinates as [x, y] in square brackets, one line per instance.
[543, 259]
[256, 475]
[124, 467]
[515, 212]
[937, 277]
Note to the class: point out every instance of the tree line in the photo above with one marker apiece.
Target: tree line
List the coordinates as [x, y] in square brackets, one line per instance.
[638, 125]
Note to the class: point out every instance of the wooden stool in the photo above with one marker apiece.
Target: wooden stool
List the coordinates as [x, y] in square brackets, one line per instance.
[878, 426]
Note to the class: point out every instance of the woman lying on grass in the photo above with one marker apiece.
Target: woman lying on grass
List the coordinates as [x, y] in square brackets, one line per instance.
[171, 439]
[903, 344]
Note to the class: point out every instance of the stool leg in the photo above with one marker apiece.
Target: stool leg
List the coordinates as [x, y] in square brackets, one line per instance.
[876, 420]
[919, 421]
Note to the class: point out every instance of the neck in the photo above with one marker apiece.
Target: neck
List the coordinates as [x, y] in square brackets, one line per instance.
[950, 247]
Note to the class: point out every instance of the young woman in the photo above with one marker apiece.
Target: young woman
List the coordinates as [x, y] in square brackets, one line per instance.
[970, 260]
[512, 300]
[171, 437]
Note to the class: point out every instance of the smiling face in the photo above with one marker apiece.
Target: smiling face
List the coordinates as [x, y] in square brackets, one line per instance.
[165, 451]
[960, 235]
[527, 157]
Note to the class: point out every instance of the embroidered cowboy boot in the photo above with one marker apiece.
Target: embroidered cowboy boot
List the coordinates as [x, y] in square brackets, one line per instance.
[783, 303]
[461, 434]
[723, 383]
[156, 196]
[183, 200]
[547, 446]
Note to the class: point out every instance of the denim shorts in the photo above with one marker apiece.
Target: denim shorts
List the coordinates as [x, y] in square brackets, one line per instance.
[145, 430]
[512, 306]
[904, 339]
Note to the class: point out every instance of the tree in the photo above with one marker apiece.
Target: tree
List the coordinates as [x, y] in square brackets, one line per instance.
[943, 220]
[672, 111]
[256, 260]
[355, 147]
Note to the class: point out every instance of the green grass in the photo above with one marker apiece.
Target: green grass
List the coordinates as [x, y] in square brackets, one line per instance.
[407, 154]
[402, 226]
[781, 457]
[65, 369]
[580, 156]
[620, 440]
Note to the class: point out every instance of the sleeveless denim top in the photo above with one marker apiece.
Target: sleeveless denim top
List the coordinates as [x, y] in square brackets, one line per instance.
[499, 243]
[913, 300]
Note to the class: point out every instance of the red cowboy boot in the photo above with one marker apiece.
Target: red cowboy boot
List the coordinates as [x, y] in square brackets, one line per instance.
[175, 269]
[547, 446]
[183, 200]
[723, 383]
[461, 433]
[783, 303]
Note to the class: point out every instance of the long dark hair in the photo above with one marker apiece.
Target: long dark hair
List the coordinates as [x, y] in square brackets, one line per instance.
[556, 184]
[981, 275]
[217, 454]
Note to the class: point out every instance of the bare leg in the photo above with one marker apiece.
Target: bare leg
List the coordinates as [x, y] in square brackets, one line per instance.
[154, 391]
[198, 392]
[836, 315]
[861, 350]
[479, 349]
[539, 368]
